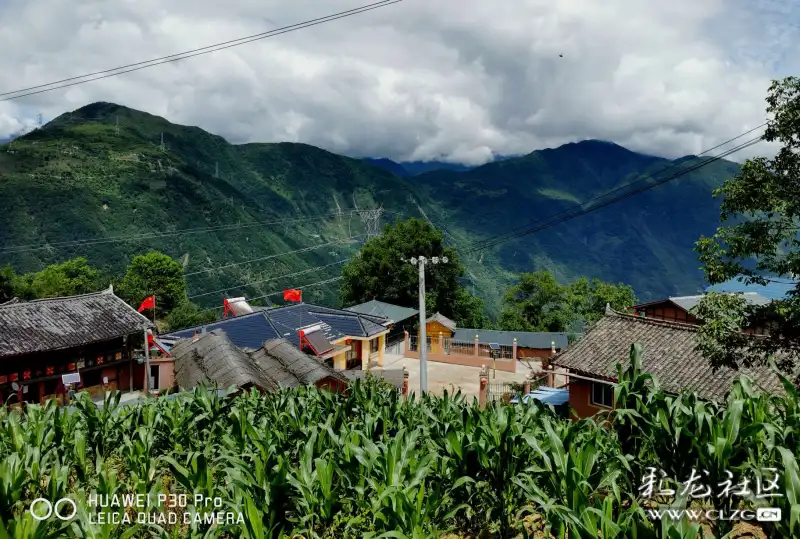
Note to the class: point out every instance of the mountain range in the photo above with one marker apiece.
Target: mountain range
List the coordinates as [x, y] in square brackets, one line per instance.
[81, 186]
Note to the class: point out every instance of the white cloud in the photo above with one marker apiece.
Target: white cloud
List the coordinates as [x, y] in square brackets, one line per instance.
[422, 79]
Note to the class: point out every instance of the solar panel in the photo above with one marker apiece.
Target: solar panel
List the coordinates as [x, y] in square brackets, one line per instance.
[318, 342]
[494, 346]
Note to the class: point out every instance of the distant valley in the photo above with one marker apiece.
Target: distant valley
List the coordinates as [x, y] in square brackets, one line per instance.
[76, 188]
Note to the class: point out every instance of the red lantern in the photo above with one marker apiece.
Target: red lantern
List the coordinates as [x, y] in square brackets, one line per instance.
[70, 366]
[13, 377]
[26, 375]
[49, 371]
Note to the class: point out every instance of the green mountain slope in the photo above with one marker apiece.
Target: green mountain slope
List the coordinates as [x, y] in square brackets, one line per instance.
[645, 241]
[77, 187]
[77, 179]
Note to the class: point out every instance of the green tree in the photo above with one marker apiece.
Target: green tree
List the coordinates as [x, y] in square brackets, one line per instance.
[156, 274]
[381, 271]
[7, 279]
[540, 303]
[537, 303]
[186, 314]
[68, 278]
[760, 213]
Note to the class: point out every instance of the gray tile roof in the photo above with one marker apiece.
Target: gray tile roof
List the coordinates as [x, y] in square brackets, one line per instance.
[526, 339]
[669, 354]
[60, 323]
[443, 320]
[393, 313]
[688, 303]
[214, 360]
[290, 367]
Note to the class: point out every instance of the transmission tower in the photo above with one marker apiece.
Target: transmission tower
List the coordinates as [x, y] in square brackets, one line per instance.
[370, 218]
[116, 127]
[216, 170]
[161, 146]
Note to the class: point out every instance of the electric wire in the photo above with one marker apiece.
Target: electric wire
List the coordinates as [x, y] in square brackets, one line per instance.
[151, 235]
[303, 250]
[113, 72]
[244, 285]
[538, 226]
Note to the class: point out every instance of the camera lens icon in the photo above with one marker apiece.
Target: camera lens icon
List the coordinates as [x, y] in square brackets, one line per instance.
[56, 509]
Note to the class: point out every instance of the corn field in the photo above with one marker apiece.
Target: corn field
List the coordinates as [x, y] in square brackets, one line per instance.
[309, 463]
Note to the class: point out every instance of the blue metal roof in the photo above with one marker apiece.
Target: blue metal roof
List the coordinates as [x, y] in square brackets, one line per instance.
[395, 313]
[248, 331]
[546, 395]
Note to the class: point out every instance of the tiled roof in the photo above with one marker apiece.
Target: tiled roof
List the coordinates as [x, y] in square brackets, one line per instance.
[669, 351]
[290, 367]
[214, 360]
[60, 323]
[248, 331]
[443, 320]
[252, 330]
[690, 302]
[394, 313]
[525, 339]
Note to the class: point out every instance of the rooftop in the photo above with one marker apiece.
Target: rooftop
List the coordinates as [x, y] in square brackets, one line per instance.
[393, 313]
[443, 320]
[213, 359]
[688, 303]
[670, 355]
[250, 331]
[28, 327]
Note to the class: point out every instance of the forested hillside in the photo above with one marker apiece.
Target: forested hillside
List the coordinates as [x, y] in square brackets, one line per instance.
[97, 183]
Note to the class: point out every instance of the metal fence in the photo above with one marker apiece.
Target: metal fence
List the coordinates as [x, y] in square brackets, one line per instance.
[449, 346]
[506, 391]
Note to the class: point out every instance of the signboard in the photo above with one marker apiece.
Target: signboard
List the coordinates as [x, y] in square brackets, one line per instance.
[71, 378]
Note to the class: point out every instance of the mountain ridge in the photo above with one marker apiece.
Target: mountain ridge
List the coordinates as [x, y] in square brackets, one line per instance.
[55, 183]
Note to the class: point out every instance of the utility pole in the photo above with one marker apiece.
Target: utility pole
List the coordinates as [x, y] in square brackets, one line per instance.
[162, 142]
[216, 170]
[147, 361]
[116, 127]
[422, 345]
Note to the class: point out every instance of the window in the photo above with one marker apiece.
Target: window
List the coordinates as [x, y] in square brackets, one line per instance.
[373, 346]
[602, 394]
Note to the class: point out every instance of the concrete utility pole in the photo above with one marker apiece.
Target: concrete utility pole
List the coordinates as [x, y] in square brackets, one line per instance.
[423, 338]
[146, 362]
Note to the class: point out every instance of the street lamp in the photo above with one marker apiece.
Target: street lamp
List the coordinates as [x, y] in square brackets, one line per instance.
[423, 338]
[495, 349]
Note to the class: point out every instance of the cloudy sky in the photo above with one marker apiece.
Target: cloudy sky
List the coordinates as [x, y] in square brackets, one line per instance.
[456, 80]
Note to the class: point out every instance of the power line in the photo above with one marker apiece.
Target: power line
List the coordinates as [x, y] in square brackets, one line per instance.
[528, 229]
[326, 281]
[151, 235]
[221, 290]
[303, 250]
[41, 88]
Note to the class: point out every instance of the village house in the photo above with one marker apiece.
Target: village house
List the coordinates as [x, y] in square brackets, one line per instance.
[91, 338]
[683, 308]
[670, 355]
[212, 359]
[447, 343]
[343, 339]
[398, 319]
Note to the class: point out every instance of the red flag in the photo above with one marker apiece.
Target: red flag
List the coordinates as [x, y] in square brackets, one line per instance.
[293, 295]
[148, 303]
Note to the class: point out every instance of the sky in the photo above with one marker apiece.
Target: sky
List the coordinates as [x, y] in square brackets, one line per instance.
[451, 80]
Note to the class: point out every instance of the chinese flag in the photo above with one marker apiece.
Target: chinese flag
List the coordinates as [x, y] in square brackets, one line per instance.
[148, 303]
[293, 295]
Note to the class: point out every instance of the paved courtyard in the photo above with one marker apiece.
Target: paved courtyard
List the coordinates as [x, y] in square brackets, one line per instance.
[443, 376]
